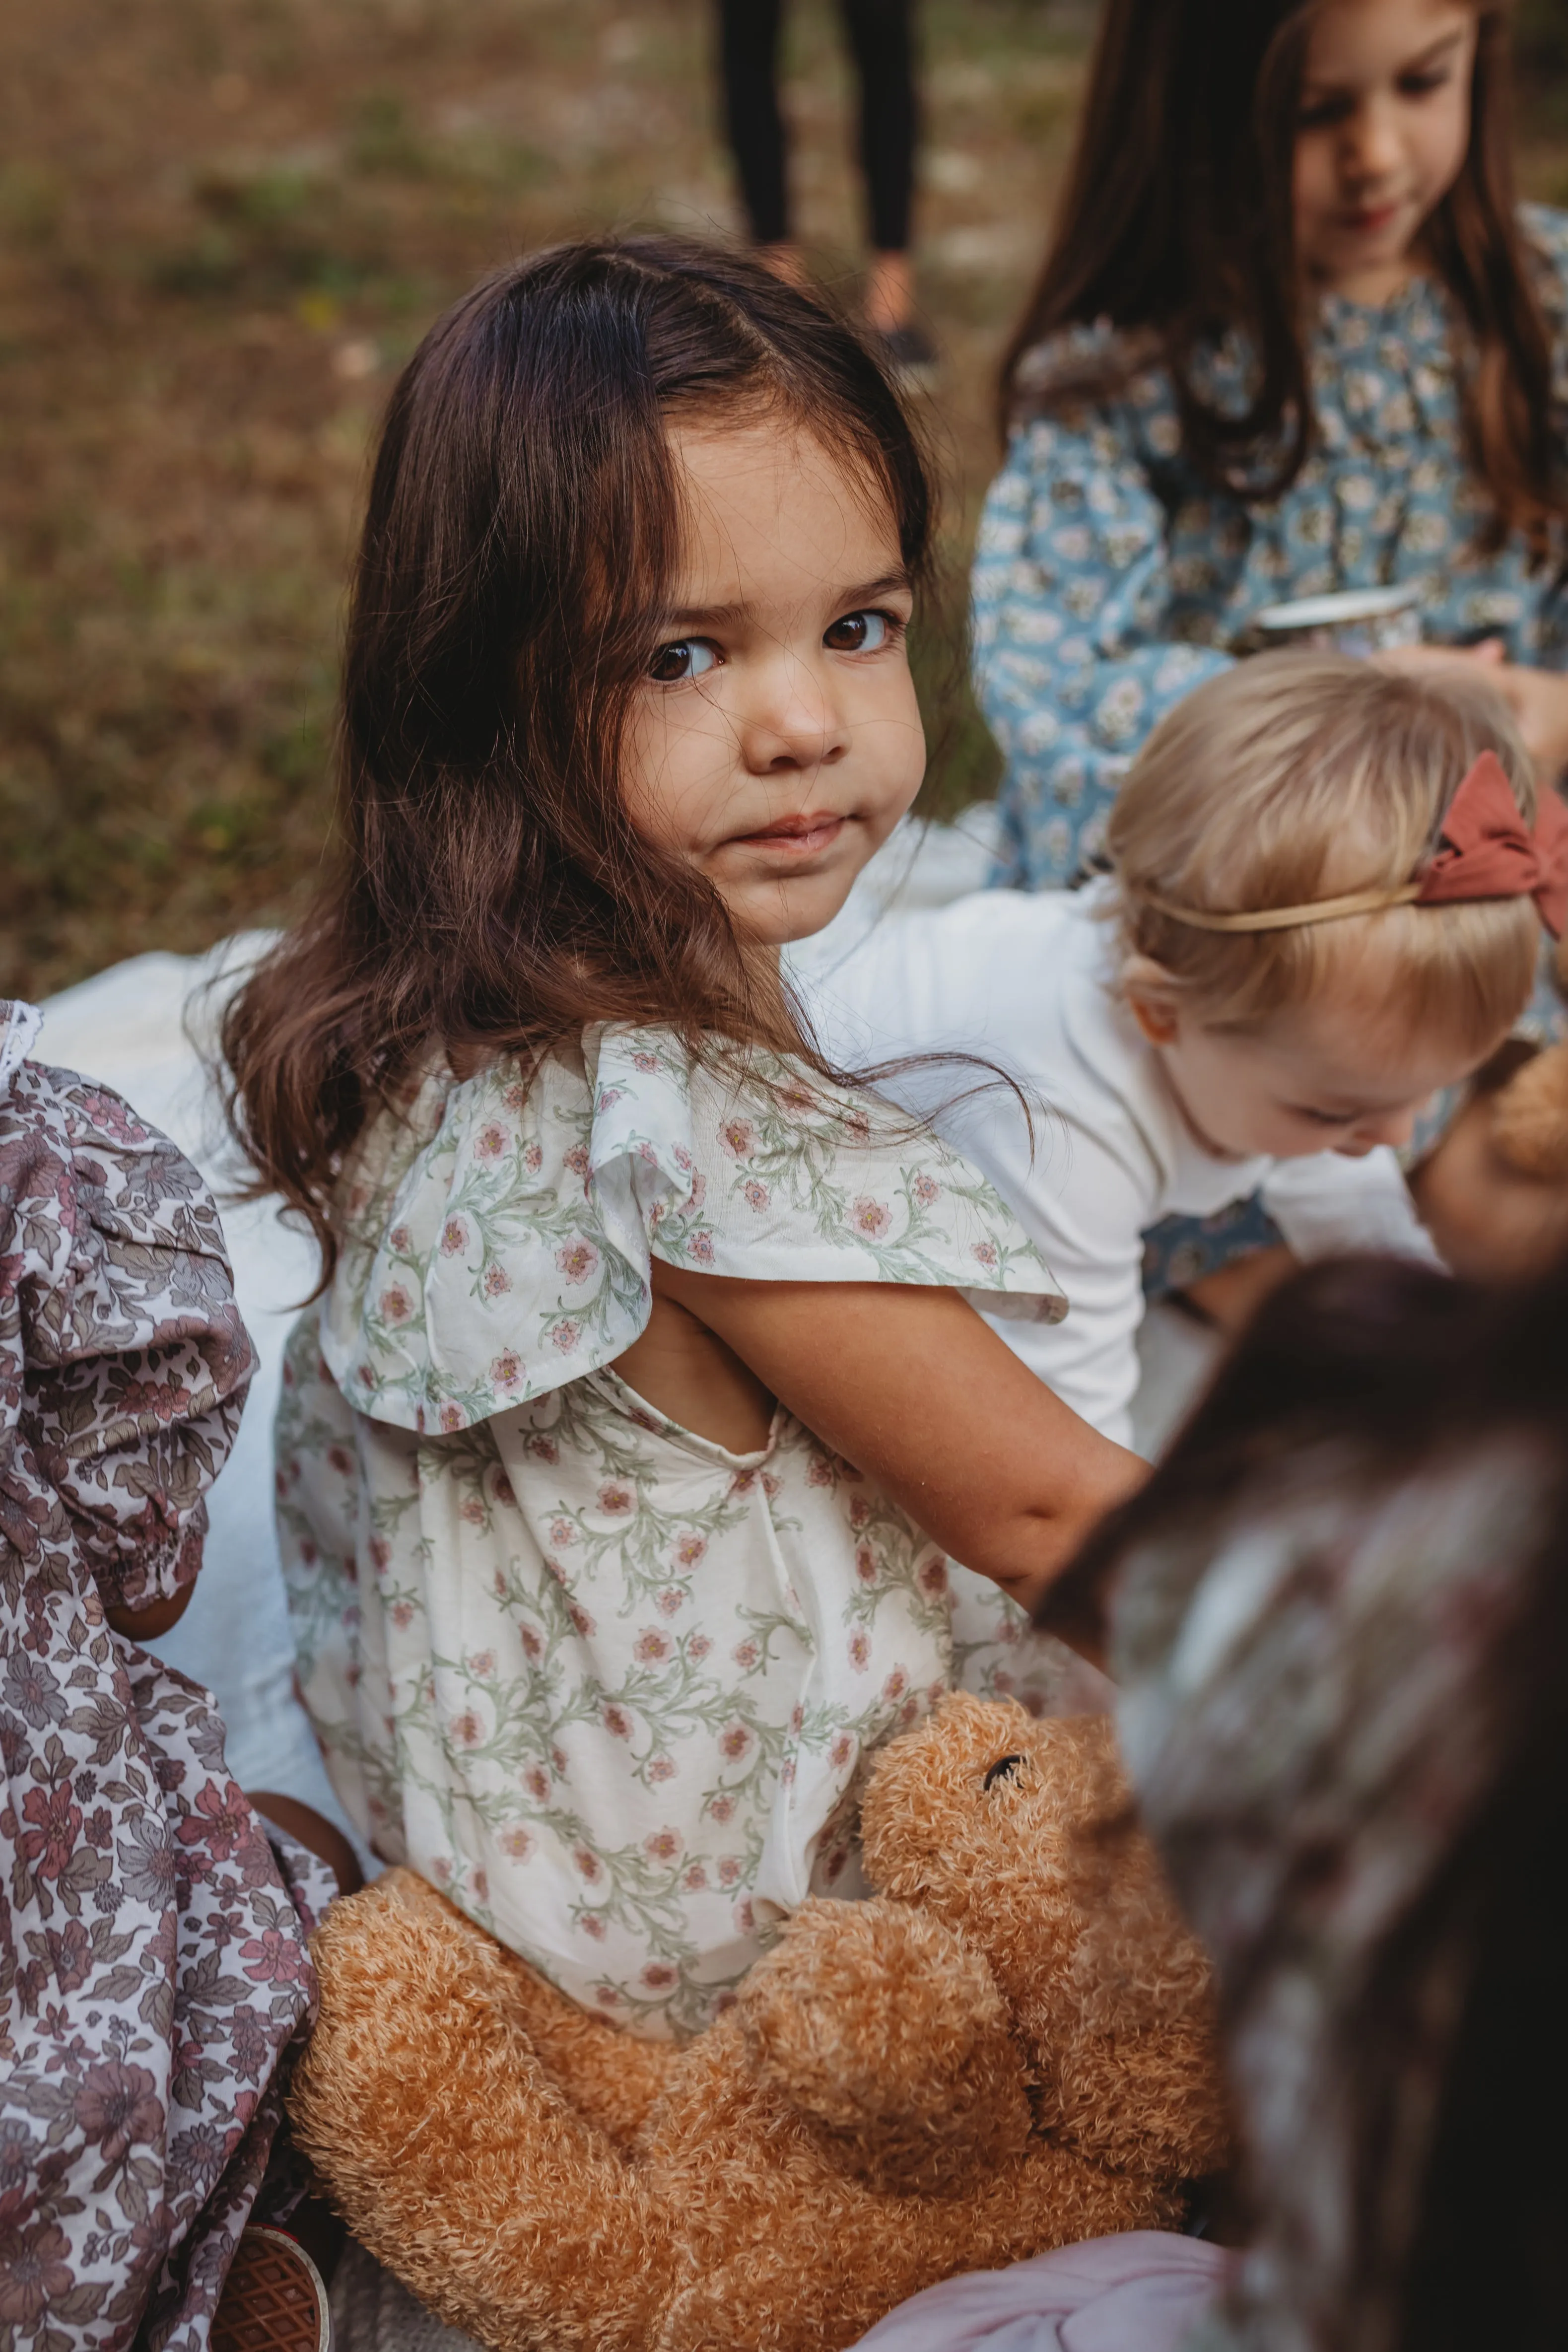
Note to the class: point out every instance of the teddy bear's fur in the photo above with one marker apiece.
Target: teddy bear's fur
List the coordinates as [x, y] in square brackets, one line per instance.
[1007, 2048]
[1529, 1117]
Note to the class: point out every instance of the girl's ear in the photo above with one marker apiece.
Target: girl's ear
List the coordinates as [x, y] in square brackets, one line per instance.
[1153, 998]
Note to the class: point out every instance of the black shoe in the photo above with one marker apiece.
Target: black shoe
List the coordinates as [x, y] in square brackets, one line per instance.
[909, 355]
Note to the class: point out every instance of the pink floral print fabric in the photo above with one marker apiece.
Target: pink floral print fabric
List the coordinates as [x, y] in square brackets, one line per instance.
[498, 1232]
[152, 1955]
[609, 1686]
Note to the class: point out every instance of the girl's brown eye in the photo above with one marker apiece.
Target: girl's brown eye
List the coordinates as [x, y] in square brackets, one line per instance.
[1324, 114]
[686, 658]
[857, 633]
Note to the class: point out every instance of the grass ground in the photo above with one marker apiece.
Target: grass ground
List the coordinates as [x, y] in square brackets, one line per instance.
[223, 225]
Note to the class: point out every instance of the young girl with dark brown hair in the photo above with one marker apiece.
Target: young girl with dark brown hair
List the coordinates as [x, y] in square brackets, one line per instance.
[643, 1402]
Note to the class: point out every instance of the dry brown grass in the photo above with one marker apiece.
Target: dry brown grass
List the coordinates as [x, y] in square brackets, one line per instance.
[223, 224]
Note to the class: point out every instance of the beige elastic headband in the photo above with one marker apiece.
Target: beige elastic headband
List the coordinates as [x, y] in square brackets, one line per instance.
[1287, 919]
[1486, 851]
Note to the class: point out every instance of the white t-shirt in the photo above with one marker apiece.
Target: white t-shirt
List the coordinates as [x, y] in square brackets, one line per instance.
[1027, 981]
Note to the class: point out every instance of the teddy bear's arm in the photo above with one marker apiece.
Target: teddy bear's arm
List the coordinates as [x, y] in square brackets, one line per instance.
[885, 2032]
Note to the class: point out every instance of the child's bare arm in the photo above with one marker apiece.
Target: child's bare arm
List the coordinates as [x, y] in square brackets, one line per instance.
[151, 1618]
[914, 1389]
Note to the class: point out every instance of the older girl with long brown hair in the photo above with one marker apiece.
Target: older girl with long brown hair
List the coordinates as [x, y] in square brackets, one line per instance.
[645, 1397]
[1293, 335]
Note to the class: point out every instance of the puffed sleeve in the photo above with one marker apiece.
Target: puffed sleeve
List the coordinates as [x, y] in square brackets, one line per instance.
[123, 1361]
[502, 1230]
[1074, 657]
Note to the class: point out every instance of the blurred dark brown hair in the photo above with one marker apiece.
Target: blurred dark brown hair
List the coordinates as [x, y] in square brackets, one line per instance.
[487, 891]
[1177, 223]
[1392, 1370]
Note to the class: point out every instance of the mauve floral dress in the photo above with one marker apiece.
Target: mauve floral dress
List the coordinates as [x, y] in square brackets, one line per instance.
[152, 1952]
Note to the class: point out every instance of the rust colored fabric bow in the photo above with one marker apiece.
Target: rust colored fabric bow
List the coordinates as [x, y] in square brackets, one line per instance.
[1489, 851]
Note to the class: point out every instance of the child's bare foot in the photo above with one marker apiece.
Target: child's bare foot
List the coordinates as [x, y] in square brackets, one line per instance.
[785, 261]
[315, 1834]
[889, 293]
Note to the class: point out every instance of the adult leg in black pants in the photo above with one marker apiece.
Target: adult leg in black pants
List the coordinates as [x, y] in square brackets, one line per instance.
[881, 35]
[748, 68]
[881, 39]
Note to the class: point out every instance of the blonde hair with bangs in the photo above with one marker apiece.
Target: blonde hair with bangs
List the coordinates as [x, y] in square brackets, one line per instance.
[1302, 776]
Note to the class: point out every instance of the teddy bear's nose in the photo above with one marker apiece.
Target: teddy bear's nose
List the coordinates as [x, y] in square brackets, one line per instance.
[1003, 1768]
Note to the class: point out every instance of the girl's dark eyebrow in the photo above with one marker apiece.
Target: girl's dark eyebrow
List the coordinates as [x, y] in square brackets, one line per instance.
[1431, 56]
[847, 600]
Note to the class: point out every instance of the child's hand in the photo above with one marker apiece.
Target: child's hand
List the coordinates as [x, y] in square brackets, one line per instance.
[1539, 700]
[1537, 697]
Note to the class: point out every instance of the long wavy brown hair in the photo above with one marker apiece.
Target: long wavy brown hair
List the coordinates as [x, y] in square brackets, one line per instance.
[1176, 223]
[487, 892]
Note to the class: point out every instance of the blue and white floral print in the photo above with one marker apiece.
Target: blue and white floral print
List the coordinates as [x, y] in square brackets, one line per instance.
[1110, 578]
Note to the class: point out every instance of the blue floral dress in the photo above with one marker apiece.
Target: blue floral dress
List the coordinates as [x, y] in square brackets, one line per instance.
[610, 1687]
[1111, 578]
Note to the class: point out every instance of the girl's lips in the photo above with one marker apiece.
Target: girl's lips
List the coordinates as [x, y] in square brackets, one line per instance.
[797, 834]
[1373, 221]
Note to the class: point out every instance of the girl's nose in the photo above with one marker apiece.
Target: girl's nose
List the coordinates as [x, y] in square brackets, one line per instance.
[791, 720]
[1372, 148]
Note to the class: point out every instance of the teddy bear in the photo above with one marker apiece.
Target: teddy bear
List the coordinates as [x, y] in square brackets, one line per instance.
[1008, 2046]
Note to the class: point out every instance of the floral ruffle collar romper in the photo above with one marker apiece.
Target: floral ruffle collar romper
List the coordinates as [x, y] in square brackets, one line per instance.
[609, 1685]
[153, 1972]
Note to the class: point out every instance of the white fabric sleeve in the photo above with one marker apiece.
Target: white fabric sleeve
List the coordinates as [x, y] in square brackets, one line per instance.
[1083, 1202]
[961, 979]
[1328, 1204]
